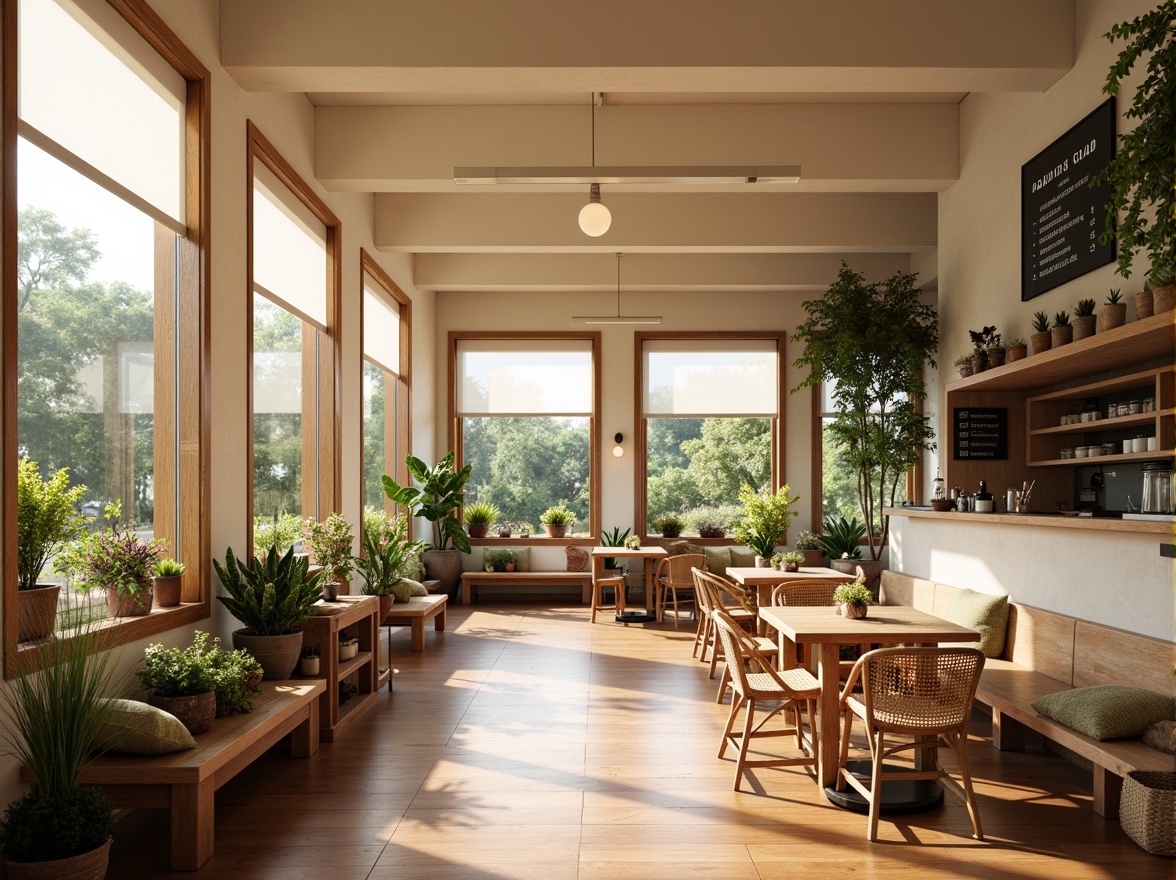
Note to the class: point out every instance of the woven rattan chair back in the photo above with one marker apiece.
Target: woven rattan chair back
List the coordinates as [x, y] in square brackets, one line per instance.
[920, 690]
[809, 593]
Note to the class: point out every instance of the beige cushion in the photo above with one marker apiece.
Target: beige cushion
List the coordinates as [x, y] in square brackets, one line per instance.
[1107, 711]
[742, 557]
[522, 559]
[717, 559]
[416, 588]
[1161, 736]
[139, 729]
[677, 548]
[985, 613]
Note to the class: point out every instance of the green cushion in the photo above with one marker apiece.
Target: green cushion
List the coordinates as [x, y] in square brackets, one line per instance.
[139, 729]
[1107, 711]
[742, 557]
[522, 559]
[985, 613]
[717, 559]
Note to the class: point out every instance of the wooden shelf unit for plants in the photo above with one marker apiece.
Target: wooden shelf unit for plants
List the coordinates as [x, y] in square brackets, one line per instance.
[358, 619]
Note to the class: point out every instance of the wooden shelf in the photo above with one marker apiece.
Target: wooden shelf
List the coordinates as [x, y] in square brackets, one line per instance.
[358, 617]
[1104, 424]
[347, 667]
[1155, 455]
[1044, 520]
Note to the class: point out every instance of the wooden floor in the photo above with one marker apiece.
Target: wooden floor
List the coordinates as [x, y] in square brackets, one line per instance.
[527, 743]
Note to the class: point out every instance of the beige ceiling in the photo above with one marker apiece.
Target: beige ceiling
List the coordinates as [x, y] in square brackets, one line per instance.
[864, 97]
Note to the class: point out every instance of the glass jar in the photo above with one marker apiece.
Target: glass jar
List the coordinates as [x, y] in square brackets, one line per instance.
[1066, 452]
[1149, 404]
[1135, 407]
[1112, 410]
[1123, 408]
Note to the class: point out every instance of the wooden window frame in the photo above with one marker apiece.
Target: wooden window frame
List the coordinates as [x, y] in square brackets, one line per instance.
[191, 254]
[454, 433]
[779, 422]
[396, 419]
[325, 378]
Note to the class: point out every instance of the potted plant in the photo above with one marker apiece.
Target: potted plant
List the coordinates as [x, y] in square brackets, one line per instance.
[964, 364]
[1141, 209]
[280, 531]
[669, 524]
[872, 343]
[1162, 286]
[348, 647]
[439, 496]
[54, 712]
[853, 598]
[504, 529]
[329, 543]
[169, 582]
[480, 517]
[1084, 319]
[236, 675]
[764, 523]
[809, 546]
[842, 543]
[117, 560]
[1016, 350]
[615, 538]
[181, 683]
[711, 528]
[272, 598]
[982, 340]
[309, 664]
[1114, 313]
[633, 542]
[1041, 337]
[994, 354]
[499, 559]
[381, 566]
[557, 520]
[47, 518]
[791, 561]
[1061, 333]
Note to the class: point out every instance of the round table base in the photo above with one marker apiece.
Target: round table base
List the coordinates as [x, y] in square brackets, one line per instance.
[897, 796]
[636, 617]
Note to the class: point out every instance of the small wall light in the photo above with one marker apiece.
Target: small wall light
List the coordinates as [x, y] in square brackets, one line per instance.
[618, 450]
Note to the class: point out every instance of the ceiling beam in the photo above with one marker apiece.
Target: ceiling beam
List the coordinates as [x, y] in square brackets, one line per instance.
[619, 45]
[839, 147]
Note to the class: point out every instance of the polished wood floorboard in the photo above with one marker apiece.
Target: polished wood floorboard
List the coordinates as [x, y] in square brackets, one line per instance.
[526, 743]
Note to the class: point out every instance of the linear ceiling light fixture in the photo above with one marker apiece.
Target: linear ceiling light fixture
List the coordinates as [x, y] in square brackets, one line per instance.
[618, 318]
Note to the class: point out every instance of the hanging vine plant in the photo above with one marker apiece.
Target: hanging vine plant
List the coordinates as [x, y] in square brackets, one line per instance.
[1143, 173]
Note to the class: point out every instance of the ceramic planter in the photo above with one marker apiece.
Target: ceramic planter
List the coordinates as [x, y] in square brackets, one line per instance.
[443, 566]
[195, 712]
[813, 558]
[479, 530]
[37, 612]
[278, 655]
[330, 591]
[1083, 327]
[348, 650]
[131, 604]
[1041, 341]
[1110, 317]
[308, 666]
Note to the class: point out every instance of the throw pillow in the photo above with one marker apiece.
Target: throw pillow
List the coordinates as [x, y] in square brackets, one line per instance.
[985, 613]
[1161, 736]
[139, 729]
[416, 588]
[522, 559]
[677, 548]
[742, 557]
[717, 559]
[402, 591]
[1107, 711]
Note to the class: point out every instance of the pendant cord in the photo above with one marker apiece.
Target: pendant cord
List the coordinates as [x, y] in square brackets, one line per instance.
[619, 284]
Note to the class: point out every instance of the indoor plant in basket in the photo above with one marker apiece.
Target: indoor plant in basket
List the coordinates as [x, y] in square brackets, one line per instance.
[790, 561]
[1114, 313]
[1084, 319]
[169, 582]
[272, 598]
[47, 518]
[480, 517]
[382, 562]
[329, 543]
[764, 523]
[52, 720]
[181, 683]
[557, 520]
[117, 560]
[1041, 337]
[853, 598]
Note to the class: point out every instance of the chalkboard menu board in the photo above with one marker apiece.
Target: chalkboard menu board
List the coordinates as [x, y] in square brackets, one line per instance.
[1061, 216]
[980, 432]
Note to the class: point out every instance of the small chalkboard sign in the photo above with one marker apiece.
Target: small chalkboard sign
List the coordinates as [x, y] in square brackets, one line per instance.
[980, 432]
[1062, 217]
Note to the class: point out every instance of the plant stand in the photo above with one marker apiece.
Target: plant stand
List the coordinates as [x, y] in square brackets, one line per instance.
[358, 618]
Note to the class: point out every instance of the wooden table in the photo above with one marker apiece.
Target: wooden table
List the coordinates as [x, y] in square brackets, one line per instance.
[416, 612]
[766, 579]
[886, 625]
[649, 554]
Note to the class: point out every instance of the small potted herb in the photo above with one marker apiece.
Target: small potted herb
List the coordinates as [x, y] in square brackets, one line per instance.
[1113, 313]
[169, 582]
[854, 599]
[480, 517]
[1062, 333]
[982, 341]
[1016, 350]
[964, 364]
[499, 559]
[181, 683]
[348, 647]
[669, 524]
[1041, 337]
[791, 561]
[633, 542]
[1084, 319]
[309, 664]
[557, 520]
[1163, 283]
[809, 546]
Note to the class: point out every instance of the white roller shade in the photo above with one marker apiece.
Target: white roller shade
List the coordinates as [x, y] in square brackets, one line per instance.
[730, 378]
[524, 377]
[96, 96]
[381, 327]
[289, 249]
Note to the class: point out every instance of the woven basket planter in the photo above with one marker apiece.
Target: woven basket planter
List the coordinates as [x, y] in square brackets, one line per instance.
[1147, 810]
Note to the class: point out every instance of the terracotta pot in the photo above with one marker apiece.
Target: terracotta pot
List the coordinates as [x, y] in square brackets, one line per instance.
[790, 566]
[1083, 327]
[554, 531]
[195, 712]
[37, 612]
[1059, 336]
[1041, 341]
[168, 590]
[478, 530]
[996, 357]
[1143, 304]
[1016, 353]
[509, 566]
[386, 603]
[1162, 298]
[813, 558]
[131, 605]
[90, 865]
[1110, 317]
[276, 654]
[854, 612]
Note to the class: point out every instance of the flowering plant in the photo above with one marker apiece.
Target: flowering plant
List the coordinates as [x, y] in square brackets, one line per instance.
[330, 543]
[114, 558]
[633, 542]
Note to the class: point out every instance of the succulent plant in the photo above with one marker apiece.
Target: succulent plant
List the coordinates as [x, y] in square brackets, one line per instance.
[1062, 319]
[1040, 322]
[1114, 297]
[1084, 309]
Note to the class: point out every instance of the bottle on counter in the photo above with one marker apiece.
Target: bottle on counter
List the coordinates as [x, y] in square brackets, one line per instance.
[937, 491]
[984, 502]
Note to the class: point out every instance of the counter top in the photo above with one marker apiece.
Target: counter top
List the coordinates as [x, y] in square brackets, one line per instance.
[1047, 520]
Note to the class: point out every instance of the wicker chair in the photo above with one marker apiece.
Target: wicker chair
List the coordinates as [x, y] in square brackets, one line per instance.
[673, 578]
[926, 693]
[599, 585]
[712, 592]
[808, 593]
[792, 691]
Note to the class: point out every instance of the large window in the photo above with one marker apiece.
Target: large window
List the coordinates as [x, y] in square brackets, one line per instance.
[387, 331]
[525, 418]
[709, 411]
[106, 279]
[293, 244]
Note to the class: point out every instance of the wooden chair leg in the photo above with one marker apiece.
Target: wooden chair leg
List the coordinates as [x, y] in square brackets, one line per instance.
[959, 747]
[748, 721]
[735, 704]
[724, 681]
[875, 786]
[843, 757]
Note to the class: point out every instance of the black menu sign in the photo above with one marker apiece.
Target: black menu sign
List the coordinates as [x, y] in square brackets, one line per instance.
[980, 432]
[1061, 216]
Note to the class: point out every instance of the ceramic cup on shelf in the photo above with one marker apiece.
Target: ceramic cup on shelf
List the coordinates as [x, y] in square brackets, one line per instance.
[1127, 446]
[1139, 444]
[1151, 444]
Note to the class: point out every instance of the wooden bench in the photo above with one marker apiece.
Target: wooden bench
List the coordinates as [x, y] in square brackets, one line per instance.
[416, 612]
[1044, 653]
[186, 781]
[472, 580]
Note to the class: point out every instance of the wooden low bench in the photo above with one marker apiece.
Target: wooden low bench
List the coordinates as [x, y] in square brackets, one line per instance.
[416, 612]
[185, 782]
[1044, 653]
[472, 580]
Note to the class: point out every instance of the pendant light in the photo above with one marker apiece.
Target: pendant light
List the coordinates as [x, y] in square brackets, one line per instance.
[618, 318]
[595, 217]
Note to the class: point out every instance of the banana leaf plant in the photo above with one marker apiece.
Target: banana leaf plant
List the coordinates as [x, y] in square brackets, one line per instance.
[438, 499]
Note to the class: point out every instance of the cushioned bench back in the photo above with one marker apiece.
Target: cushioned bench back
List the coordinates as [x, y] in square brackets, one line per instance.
[1041, 640]
[1106, 655]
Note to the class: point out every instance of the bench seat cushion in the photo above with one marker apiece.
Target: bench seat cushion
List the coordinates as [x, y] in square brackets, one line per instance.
[1108, 711]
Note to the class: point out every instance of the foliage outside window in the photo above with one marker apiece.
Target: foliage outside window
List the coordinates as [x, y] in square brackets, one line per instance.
[387, 330]
[525, 419]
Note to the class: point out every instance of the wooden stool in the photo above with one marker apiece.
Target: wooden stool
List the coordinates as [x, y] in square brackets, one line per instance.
[618, 586]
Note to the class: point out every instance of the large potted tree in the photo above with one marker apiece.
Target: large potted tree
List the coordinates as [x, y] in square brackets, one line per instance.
[870, 342]
[47, 518]
[438, 499]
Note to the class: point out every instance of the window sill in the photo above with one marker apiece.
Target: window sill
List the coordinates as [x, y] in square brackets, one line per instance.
[532, 540]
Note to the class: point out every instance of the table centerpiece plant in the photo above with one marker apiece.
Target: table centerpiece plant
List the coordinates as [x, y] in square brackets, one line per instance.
[854, 599]
[764, 521]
